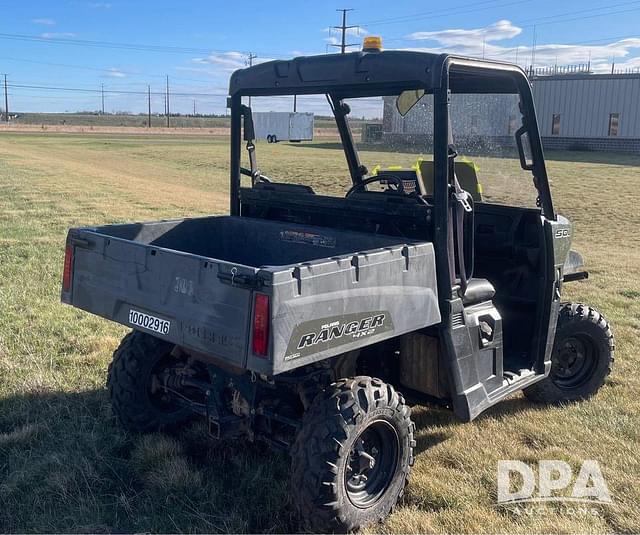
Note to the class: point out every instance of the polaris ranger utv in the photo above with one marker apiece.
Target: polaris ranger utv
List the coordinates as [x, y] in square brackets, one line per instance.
[295, 319]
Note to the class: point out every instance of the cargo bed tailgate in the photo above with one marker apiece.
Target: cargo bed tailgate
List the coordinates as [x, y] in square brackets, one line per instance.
[193, 301]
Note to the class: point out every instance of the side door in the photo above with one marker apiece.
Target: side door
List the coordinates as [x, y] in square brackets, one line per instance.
[557, 235]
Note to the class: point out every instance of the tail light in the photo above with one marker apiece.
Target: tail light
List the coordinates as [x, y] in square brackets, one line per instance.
[260, 339]
[67, 274]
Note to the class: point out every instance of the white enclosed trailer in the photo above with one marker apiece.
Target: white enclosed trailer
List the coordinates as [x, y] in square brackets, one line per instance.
[277, 126]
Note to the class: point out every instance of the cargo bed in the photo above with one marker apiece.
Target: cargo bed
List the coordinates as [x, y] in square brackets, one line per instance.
[194, 282]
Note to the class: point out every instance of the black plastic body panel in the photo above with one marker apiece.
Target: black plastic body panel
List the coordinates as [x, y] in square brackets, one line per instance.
[330, 290]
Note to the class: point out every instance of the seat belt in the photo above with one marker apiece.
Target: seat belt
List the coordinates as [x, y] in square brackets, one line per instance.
[461, 202]
[249, 136]
[253, 163]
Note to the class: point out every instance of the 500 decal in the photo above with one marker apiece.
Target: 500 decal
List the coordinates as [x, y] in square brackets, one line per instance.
[319, 335]
[146, 321]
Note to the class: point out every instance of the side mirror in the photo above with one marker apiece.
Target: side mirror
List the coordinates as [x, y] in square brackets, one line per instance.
[524, 149]
[247, 124]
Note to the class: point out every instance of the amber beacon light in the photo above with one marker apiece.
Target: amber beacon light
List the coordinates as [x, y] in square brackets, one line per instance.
[372, 43]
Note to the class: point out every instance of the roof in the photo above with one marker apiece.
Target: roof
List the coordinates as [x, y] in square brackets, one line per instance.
[375, 73]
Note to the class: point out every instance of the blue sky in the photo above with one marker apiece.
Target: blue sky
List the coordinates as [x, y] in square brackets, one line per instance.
[199, 43]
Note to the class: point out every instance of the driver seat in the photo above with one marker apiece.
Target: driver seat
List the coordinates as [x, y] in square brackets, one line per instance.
[478, 291]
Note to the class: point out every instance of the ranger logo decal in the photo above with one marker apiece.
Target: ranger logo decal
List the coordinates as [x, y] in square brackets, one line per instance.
[318, 335]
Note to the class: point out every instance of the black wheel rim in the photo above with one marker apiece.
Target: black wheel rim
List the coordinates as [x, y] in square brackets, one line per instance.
[372, 464]
[574, 361]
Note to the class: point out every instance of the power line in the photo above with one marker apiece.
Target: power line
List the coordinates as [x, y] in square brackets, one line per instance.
[440, 13]
[103, 70]
[556, 19]
[123, 46]
[524, 48]
[343, 45]
[539, 20]
[111, 91]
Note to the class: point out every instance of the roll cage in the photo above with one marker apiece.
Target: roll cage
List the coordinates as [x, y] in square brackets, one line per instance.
[364, 74]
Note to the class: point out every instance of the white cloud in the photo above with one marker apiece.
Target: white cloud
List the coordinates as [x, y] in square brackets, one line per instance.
[228, 61]
[498, 31]
[100, 5]
[57, 35]
[631, 64]
[115, 73]
[44, 22]
[481, 42]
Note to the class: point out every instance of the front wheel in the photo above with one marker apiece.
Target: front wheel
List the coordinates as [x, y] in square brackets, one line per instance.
[582, 356]
[352, 457]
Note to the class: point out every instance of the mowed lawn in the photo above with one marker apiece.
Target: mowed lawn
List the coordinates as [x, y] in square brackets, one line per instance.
[66, 466]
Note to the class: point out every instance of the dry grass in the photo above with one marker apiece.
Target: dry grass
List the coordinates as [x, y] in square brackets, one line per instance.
[65, 465]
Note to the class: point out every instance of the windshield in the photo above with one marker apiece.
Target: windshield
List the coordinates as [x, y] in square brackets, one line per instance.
[304, 147]
[484, 130]
[388, 141]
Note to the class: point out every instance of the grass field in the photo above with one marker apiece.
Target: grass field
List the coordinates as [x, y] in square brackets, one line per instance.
[66, 466]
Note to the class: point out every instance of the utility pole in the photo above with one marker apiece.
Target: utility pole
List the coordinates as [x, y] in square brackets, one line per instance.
[149, 106]
[168, 108]
[6, 100]
[250, 59]
[295, 103]
[343, 44]
[194, 107]
[102, 92]
[533, 50]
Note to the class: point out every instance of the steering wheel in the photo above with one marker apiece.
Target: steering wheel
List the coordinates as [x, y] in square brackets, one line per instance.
[397, 182]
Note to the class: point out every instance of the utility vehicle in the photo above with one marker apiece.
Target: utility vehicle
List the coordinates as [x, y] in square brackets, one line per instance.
[295, 319]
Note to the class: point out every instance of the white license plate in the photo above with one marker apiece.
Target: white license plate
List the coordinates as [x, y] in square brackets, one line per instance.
[149, 322]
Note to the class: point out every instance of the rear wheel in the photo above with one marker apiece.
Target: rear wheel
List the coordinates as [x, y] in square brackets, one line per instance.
[138, 401]
[352, 457]
[582, 357]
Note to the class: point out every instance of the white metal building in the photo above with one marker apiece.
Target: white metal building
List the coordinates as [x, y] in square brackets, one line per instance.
[589, 111]
[575, 112]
